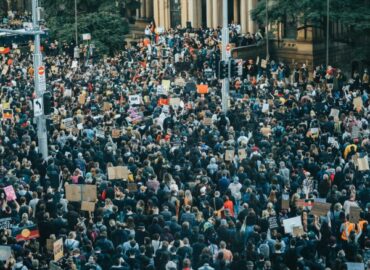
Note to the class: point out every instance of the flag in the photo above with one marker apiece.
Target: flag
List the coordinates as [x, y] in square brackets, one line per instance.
[26, 233]
[4, 50]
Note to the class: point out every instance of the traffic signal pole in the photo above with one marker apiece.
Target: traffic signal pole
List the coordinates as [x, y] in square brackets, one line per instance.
[225, 42]
[40, 89]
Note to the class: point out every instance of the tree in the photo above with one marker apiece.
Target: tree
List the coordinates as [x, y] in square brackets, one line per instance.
[355, 14]
[106, 20]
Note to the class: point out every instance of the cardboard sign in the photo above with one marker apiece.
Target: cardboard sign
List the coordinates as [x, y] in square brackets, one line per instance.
[116, 133]
[229, 155]
[363, 164]
[107, 106]
[285, 201]
[88, 206]
[118, 173]
[180, 82]
[7, 114]
[5, 253]
[242, 154]
[207, 121]
[290, 223]
[100, 133]
[10, 193]
[320, 209]
[358, 104]
[314, 132]
[202, 89]
[273, 224]
[78, 193]
[58, 249]
[297, 231]
[67, 93]
[354, 214]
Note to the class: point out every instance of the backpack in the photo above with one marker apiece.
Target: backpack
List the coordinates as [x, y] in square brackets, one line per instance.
[264, 249]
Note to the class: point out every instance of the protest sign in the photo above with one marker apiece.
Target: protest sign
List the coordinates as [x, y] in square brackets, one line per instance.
[273, 224]
[285, 201]
[49, 244]
[5, 70]
[355, 132]
[242, 154]
[265, 108]
[354, 214]
[88, 206]
[118, 172]
[116, 133]
[358, 104]
[10, 193]
[5, 253]
[5, 223]
[320, 209]
[335, 114]
[58, 249]
[77, 193]
[297, 231]
[207, 121]
[81, 99]
[290, 223]
[363, 163]
[175, 102]
[67, 123]
[229, 155]
[202, 89]
[134, 100]
[166, 84]
[132, 187]
[355, 266]
[263, 63]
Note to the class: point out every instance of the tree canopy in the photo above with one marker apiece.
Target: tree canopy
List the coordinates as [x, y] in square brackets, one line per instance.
[106, 20]
[355, 14]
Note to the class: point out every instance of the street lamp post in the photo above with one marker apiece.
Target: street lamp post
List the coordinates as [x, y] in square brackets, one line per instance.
[327, 31]
[40, 88]
[267, 32]
[39, 77]
[225, 42]
[76, 52]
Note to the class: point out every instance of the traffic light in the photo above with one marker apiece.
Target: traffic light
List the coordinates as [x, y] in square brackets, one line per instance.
[48, 103]
[224, 69]
[234, 68]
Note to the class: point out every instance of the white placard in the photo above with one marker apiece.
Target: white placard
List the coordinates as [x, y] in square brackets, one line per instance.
[38, 107]
[134, 99]
[292, 222]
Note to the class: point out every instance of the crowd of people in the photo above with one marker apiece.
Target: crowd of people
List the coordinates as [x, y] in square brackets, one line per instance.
[203, 189]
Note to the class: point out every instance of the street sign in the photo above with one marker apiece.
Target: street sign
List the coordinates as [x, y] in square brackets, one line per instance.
[41, 77]
[38, 107]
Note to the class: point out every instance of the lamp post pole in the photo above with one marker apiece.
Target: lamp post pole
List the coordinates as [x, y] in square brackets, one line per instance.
[327, 31]
[225, 42]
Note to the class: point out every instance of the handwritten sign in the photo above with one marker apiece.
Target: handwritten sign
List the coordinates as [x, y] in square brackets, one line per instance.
[354, 214]
[77, 193]
[5, 223]
[320, 209]
[10, 193]
[118, 172]
[290, 223]
[88, 206]
[229, 155]
[242, 154]
[363, 163]
[273, 224]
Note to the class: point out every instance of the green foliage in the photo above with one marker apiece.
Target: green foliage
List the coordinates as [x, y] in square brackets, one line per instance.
[354, 14]
[106, 20]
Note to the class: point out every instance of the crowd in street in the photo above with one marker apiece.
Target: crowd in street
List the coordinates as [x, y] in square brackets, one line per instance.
[199, 188]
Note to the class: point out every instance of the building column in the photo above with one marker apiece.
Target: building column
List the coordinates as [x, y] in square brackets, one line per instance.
[156, 13]
[251, 24]
[167, 6]
[209, 13]
[236, 11]
[199, 13]
[192, 12]
[142, 8]
[244, 16]
[215, 14]
[148, 9]
[184, 12]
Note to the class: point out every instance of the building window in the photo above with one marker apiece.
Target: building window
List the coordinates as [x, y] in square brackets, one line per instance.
[175, 13]
[290, 30]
